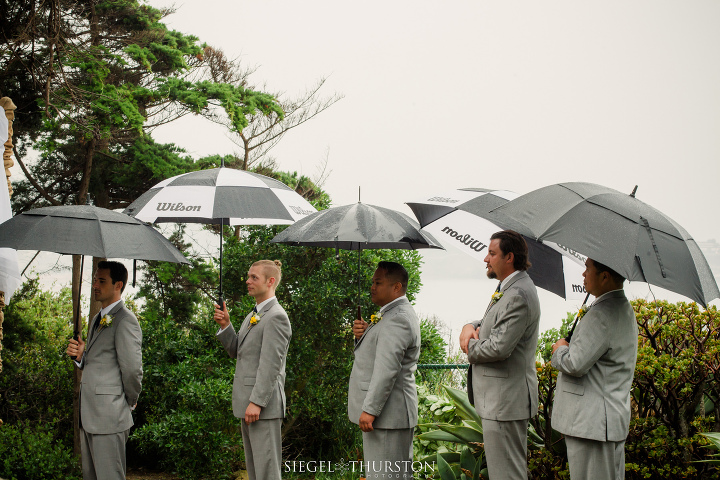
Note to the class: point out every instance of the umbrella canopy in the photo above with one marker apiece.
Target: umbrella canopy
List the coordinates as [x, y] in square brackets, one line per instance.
[87, 230]
[458, 218]
[357, 227]
[618, 230]
[221, 195]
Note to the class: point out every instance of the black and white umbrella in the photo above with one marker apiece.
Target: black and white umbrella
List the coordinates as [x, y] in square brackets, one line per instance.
[460, 218]
[222, 196]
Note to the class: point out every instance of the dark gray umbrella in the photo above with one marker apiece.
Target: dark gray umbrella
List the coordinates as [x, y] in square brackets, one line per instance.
[357, 227]
[86, 230]
[618, 230]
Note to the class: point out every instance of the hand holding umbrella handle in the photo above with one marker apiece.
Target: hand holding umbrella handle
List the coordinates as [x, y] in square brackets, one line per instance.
[76, 335]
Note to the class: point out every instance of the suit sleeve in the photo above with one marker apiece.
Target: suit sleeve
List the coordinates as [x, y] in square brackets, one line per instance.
[128, 344]
[393, 342]
[229, 340]
[588, 344]
[504, 335]
[275, 342]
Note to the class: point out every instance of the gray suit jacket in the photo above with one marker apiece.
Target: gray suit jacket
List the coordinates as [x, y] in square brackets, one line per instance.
[382, 382]
[112, 374]
[592, 397]
[260, 350]
[504, 375]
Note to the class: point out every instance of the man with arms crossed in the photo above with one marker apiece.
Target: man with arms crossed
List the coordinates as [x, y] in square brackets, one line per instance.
[501, 351]
[111, 362]
[260, 347]
[592, 397]
[382, 398]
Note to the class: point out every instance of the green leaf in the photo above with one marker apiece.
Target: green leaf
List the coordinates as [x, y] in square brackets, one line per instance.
[460, 398]
[465, 434]
[446, 473]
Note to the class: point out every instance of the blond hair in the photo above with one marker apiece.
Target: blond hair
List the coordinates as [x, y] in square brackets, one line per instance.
[271, 268]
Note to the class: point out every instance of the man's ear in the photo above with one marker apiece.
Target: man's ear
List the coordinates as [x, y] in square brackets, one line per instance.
[510, 258]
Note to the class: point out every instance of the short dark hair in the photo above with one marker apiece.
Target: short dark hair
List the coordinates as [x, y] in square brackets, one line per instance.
[600, 267]
[395, 272]
[513, 242]
[118, 272]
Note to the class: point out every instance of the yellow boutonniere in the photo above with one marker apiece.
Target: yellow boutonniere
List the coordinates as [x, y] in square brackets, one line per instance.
[106, 320]
[496, 297]
[583, 310]
[374, 318]
[254, 319]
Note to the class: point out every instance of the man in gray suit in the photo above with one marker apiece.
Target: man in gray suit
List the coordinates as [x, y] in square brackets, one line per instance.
[501, 351]
[382, 398]
[592, 397]
[111, 362]
[260, 347]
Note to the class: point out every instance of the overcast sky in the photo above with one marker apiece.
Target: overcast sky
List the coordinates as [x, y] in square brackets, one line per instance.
[505, 95]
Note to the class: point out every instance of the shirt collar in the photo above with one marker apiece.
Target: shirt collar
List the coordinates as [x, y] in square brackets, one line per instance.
[106, 310]
[260, 305]
[504, 282]
[605, 294]
[384, 308]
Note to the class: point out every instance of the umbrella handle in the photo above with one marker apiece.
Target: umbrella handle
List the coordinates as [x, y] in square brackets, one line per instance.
[359, 313]
[76, 322]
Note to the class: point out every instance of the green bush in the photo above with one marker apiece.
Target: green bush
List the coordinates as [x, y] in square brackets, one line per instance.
[32, 453]
[184, 419]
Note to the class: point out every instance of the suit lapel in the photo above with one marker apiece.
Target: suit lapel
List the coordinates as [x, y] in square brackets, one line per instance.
[97, 331]
[247, 326]
[385, 313]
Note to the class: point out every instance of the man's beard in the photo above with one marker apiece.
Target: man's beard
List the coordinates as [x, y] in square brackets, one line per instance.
[491, 274]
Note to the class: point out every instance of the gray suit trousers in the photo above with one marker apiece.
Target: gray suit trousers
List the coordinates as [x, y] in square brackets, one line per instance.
[262, 441]
[103, 455]
[388, 453]
[594, 460]
[506, 449]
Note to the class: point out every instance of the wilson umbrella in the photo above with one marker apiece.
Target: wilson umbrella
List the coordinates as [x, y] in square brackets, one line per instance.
[459, 218]
[357, 227]
[86, 230]
[223, 196]
[618, 230]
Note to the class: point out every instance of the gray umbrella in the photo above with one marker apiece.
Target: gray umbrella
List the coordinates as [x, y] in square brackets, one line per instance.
[357, 227]
[618, 230]
[87, 230]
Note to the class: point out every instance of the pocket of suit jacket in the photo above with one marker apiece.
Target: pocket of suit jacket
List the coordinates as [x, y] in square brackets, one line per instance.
[108, 390]
[576, 388]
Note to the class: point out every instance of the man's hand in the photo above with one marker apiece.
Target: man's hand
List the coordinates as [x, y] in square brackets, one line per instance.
[221, 316]
[76, 348]
[559, 344]
[359, 327]
[252, 413]
[366, 421]
[466, 334]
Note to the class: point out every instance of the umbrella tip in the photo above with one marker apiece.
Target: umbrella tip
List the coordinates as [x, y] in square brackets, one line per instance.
[358, 193]
[633, 192]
